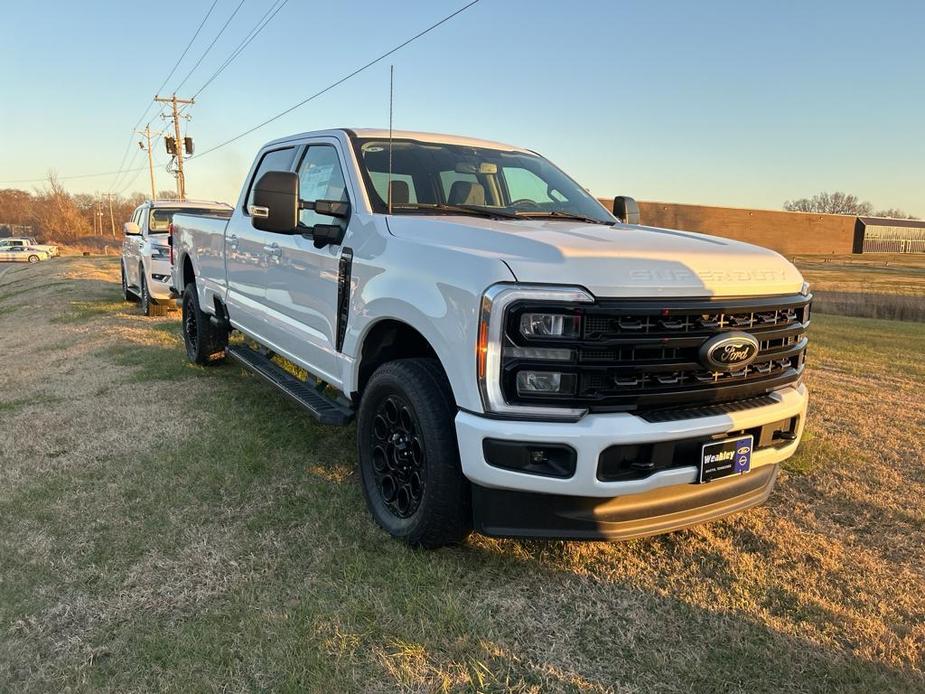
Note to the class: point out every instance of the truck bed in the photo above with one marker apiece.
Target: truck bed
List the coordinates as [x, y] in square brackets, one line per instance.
[201, 238]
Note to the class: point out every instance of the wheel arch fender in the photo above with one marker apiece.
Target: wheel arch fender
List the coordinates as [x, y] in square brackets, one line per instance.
[391, 335]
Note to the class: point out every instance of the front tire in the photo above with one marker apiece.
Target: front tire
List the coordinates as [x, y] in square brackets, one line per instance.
[408, 455]
[205, 343]
[33, 259]
[148, 307]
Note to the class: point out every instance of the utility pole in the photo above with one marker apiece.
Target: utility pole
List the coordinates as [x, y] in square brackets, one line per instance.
[147, 133]
[173, 101]
[112, 221]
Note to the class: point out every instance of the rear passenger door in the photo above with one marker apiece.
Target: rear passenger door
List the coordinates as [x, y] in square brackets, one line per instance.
[301, 279]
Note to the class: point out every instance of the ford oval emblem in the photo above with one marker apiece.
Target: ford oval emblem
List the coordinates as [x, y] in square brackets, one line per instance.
[729, 351]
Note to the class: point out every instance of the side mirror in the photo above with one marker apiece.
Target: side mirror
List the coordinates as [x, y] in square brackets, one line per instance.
[131, 229]
[276, 202]
[326, 234]
[331, 208]
[626, 210]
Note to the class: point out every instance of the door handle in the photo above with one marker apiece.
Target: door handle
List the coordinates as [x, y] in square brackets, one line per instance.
[233, 241]
[274, 250]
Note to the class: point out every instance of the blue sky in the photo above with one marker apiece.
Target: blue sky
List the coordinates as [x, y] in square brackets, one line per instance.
[725, 103]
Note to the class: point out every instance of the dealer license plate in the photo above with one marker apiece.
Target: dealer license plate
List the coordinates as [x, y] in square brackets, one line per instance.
[724, 458]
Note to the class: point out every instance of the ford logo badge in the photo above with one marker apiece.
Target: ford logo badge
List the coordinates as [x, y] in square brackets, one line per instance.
[729, 352]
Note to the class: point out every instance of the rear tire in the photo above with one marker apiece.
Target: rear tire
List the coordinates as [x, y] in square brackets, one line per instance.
[408, 455]
[205, 343]
[126, 294]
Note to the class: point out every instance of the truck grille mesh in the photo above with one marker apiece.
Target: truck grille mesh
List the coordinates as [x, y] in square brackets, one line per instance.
[645, 354]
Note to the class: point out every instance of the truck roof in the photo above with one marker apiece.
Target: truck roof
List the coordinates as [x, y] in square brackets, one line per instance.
[378, 133]
[186, 203]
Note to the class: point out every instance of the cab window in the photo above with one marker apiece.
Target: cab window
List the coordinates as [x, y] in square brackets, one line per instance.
[320, 178]
[523, 184]
[276, 160]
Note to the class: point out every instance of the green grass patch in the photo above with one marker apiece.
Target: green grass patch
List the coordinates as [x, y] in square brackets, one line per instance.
[83, 311]
[154, 362]
[814, 453]
[6, 296]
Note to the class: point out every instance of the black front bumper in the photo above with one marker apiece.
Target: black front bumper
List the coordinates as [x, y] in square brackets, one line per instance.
[505, 513]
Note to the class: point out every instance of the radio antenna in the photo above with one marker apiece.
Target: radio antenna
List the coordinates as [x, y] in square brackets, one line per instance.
[391, 83]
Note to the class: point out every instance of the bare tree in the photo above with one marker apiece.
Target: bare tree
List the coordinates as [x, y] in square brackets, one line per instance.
[831, 203]
[894, 213]
[55, 213]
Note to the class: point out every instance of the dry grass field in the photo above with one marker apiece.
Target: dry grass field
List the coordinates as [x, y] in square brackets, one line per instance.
[876, 285]
[170, 527]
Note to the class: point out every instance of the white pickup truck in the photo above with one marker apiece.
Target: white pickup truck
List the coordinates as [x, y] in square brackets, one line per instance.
[520, 361]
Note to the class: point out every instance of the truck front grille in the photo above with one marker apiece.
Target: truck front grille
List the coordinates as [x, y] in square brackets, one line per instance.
[644, 354]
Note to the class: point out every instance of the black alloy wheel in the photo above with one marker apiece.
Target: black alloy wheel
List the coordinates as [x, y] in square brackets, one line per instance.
[408, 457]
[398, 457]
[190, 325]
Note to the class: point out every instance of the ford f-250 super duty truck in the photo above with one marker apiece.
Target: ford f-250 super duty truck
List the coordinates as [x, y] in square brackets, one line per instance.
[519, 360]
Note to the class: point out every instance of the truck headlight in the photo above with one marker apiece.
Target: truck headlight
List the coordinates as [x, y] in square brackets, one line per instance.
[548, 325]
[512, 316]
[545, 382]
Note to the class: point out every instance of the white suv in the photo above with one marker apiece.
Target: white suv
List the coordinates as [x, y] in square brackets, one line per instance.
[146, 251]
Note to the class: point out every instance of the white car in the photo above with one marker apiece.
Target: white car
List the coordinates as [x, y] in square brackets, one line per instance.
[22, 254]
[23, 242]
[146, 251]
[520, 360]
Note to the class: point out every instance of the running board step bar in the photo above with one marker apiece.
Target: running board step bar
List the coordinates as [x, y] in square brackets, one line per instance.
[322, 407]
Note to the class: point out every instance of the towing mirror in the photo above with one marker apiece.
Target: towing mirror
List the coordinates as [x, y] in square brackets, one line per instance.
[331, 208]
[131, 229]
[276, 202]
[626, 210]
[326, 235]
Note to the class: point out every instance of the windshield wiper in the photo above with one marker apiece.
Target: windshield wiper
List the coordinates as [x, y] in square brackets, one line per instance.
[559, 214]
[464, 209]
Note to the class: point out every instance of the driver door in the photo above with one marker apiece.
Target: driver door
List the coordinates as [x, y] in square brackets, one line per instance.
[301, 290]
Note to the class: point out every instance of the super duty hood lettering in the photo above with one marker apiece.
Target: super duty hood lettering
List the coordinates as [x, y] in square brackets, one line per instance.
[612, 261]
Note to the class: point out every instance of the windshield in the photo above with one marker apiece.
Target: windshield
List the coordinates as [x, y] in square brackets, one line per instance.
[161, 217]
[434, 178]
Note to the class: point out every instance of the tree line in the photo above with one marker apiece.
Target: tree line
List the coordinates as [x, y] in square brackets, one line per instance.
[842, 203]
[57, 215]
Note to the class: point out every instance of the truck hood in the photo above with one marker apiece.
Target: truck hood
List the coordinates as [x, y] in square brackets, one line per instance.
[611, 261]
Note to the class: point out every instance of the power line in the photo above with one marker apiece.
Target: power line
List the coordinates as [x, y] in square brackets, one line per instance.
[68, 178]
[209, 48]
[186, 50]
[261, 24]
[288, 110]
[158, 90]
[341, 80]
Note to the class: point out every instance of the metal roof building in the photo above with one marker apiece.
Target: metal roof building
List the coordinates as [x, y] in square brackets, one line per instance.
[887, 235]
